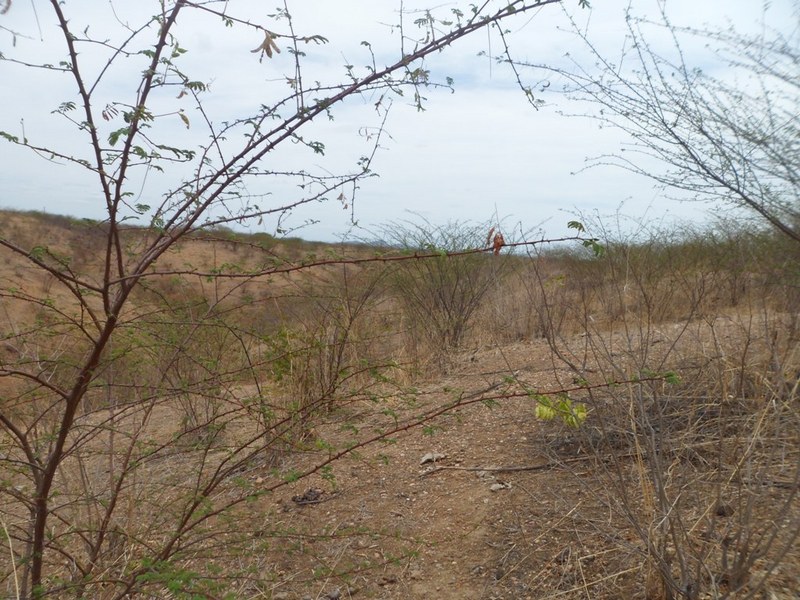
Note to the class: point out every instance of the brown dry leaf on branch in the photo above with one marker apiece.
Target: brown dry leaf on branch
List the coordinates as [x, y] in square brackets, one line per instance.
[268, 46]
[498, 242]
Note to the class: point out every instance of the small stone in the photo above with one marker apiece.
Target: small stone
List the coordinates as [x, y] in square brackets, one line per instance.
[485, 475]
[432, 457]
[496, 487]
[334, 594]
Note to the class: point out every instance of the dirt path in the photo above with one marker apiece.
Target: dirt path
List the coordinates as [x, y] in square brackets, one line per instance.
[457, 521]
[464, 528]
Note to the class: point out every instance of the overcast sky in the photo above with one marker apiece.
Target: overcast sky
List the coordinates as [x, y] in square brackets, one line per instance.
[477, 154]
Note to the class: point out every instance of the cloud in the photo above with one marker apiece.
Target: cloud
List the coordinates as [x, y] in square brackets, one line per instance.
[479, 151]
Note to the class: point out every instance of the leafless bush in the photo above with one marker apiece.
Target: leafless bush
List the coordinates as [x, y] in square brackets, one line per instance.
[337, 346]
[441, 295]
[699, 449]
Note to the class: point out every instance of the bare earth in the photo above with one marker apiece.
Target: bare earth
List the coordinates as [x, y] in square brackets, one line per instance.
[485, 502]
[472, 542]
[510, 512]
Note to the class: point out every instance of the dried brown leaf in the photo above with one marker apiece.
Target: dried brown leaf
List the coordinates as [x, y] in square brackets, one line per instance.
[498, 242]
[268, 46]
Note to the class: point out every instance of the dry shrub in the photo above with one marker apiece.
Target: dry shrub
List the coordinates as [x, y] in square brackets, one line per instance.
[442, 288]
[337, 345]
[208, 380]
[697, 447]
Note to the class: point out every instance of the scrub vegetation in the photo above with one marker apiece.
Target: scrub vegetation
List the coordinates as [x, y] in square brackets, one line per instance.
[453, 411]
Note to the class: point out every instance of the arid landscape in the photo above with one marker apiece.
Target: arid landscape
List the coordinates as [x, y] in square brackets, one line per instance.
[441, 419]
[549, 350]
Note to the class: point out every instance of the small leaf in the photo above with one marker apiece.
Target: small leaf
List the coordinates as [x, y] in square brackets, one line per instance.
[114, 136]
[596, 248]
[497, 243]
[267, 46]
[576, 225]
[8, 137]
[317, 39]
[545, 413]
[577, 416]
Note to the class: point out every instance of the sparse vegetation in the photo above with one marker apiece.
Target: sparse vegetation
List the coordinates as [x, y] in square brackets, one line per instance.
[189, 411]
[672, 373]
[440, 295]
[683, 447]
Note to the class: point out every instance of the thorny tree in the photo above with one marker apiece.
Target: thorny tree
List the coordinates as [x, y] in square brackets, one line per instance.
[716, 107]
[727, 133]
[95, 365]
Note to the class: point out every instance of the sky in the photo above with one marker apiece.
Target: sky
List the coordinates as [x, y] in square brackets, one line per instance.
[477, 153]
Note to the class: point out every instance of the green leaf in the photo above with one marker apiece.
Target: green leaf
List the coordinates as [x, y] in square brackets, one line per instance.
[8, 137]
[545, 413]
[38, 252]
[430, 429]
[114, 136]
[596, 248]
[317, 39]
[65, 107]
[196, 86]
[291, 476]
[577, 416]
[576, 225]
